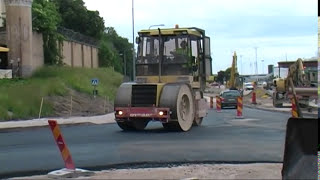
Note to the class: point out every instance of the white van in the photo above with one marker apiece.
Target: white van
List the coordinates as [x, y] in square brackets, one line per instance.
[247, 86]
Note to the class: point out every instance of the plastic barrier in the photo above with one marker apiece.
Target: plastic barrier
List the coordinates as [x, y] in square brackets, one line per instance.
[218, 104]
[70, 171]
[211, 102]
[254, 98]
[66, 156]
[239, 108]
[294, 110]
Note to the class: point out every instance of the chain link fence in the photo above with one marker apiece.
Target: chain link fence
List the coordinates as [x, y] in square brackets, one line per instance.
[77, 37]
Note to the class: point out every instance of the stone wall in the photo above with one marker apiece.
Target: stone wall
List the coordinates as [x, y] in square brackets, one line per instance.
[37, 49]
[74, 54]
[3, 40]
[79, 55]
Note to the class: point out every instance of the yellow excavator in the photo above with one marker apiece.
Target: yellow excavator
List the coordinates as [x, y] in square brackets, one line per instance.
[301, 143]
[232, 84]
[295, 85]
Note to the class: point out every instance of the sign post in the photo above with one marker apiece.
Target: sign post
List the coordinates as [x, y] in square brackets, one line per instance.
[94, 83]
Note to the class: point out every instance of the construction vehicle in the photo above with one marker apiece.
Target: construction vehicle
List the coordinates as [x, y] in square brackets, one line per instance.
[232, 84]
[284, 88]
[300, 153]
[169, 84]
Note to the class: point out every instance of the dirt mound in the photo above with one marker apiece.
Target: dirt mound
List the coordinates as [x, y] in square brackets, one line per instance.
[80, 104]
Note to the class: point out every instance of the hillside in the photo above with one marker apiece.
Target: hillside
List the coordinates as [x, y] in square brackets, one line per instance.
[21, 98]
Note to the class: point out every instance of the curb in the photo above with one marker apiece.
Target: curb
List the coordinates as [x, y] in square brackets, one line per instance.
[266, 109]
[101, 119]
[278, 110]
[68, 173]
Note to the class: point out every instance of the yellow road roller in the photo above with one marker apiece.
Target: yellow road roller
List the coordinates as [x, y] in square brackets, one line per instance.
[172, 66]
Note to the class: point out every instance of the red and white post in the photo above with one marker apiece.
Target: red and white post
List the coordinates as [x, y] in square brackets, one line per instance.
[254, 98]
[218, 104]
[239, 108]
[294, 110]
[70, 171]
[66, 156]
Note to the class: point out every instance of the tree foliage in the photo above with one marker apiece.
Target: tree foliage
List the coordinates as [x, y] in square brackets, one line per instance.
[77, 17]
[114, 50]
[221, 76]
[45, 19]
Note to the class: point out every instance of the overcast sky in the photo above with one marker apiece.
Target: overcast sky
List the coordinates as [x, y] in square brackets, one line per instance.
[279, 29]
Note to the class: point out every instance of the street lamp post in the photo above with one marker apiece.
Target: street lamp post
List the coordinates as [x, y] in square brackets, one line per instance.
[133, 54]
[124, 63]
[241, 63]
[156, 25]
[262, 66]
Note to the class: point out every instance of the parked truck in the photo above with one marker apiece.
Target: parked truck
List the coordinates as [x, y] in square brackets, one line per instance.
[171, 70]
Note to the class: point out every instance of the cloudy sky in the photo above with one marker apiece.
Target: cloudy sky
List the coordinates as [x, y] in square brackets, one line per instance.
[280, 29]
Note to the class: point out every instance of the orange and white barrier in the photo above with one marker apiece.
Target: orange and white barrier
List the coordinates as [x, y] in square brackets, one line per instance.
[218, 103]
[239, 108]
[70, 171]
[294, 110]
[66, 156]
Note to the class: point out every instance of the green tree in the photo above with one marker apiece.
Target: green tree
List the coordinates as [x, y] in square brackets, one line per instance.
[77, 17]
[221, 76]
[45, 19]
[117, 45]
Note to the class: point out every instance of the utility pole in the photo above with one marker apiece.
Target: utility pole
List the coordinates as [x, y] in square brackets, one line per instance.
[256, 63]
[133, 54]
[241, 62]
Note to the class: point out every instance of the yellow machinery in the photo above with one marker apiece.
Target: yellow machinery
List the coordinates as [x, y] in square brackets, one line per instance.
[294, 85]
[300, 154]
[172, 67]
[232, 83]
[3, 49]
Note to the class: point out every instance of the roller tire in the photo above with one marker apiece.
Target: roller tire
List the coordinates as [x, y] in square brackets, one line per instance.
[179, 98]
[185, 108]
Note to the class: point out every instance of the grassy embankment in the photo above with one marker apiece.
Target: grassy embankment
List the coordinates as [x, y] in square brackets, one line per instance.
[21, 98]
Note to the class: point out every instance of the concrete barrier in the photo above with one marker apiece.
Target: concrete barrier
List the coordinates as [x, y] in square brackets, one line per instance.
[5, 73]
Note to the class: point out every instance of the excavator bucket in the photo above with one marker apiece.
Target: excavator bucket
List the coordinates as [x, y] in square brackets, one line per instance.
[300, 153]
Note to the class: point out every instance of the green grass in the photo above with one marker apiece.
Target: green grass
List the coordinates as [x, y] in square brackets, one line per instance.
[22, 97]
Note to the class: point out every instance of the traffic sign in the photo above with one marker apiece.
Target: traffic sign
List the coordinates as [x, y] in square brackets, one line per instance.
[94, 81]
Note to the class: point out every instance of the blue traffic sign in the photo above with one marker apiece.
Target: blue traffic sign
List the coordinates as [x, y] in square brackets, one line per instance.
[94, 81]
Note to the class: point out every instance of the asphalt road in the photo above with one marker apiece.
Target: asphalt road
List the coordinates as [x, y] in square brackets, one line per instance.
[259, 137]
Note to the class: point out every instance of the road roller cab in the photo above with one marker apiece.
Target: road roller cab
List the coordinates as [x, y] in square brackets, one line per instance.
[172, 67]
